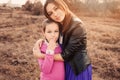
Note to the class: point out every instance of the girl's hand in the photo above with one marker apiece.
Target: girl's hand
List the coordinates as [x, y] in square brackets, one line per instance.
[52, 44]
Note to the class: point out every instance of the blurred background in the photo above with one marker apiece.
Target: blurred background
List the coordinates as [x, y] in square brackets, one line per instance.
[20, 28]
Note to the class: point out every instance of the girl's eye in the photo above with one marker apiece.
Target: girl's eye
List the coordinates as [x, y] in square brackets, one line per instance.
[56, 31]
[48, 31]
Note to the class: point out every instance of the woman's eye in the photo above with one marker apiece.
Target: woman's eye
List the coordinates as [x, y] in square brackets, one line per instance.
[50, 14]
[56, 8]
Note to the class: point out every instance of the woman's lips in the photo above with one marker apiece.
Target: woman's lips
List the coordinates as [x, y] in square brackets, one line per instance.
[58, 18]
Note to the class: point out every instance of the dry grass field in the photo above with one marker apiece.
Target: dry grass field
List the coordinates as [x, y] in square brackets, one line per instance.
[19, 30]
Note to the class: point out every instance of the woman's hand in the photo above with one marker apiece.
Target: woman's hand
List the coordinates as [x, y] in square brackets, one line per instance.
[36, 49]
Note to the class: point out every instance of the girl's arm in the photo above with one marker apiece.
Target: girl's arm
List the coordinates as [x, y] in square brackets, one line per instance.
[49, 59]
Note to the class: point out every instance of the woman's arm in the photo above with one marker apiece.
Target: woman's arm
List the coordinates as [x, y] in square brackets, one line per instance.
[37, 53]
[36, 49]
[58, 57]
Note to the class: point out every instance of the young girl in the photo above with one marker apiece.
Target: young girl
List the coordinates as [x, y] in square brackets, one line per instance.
[50, 69]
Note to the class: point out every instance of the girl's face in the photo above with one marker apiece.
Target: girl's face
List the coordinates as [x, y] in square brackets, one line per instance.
[52, 32]
[55, 13]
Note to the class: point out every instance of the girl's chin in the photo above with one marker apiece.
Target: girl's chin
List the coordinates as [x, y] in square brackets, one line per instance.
[54, 41]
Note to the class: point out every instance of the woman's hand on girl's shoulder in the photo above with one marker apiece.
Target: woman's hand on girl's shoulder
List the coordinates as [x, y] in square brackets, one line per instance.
[38, 43]
[36, 48]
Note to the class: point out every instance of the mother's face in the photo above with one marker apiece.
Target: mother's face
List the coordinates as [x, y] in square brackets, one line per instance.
[55, 12]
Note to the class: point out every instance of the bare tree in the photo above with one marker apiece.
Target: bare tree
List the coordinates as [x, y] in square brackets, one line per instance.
[8, 3]
[92, 5]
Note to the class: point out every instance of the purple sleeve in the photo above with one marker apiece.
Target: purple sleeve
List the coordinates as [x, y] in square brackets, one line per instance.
[47, 64]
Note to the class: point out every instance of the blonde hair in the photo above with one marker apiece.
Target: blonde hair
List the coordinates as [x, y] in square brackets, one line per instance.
[63, 6]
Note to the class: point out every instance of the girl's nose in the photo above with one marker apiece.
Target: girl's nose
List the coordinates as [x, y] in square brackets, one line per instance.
[53, 34]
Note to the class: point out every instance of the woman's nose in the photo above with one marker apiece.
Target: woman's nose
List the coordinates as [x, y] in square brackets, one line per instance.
[55, 14]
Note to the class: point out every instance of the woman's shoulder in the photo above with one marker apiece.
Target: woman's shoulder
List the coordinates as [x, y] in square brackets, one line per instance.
[76, 24]
[76, 19]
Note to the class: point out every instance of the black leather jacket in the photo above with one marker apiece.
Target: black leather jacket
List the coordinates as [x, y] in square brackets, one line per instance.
[74, 47]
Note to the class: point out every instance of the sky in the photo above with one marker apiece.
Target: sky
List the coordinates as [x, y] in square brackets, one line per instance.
[14, 1]
[21, 2]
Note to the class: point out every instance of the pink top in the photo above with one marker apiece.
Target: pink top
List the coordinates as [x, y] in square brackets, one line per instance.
[50, 69]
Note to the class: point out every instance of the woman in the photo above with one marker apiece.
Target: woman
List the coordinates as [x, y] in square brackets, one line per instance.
[74, 54]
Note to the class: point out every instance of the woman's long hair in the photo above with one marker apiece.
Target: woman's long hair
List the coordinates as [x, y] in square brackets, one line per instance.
[63, 6]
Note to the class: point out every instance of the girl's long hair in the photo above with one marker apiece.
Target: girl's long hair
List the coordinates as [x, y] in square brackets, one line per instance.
[63, 6]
